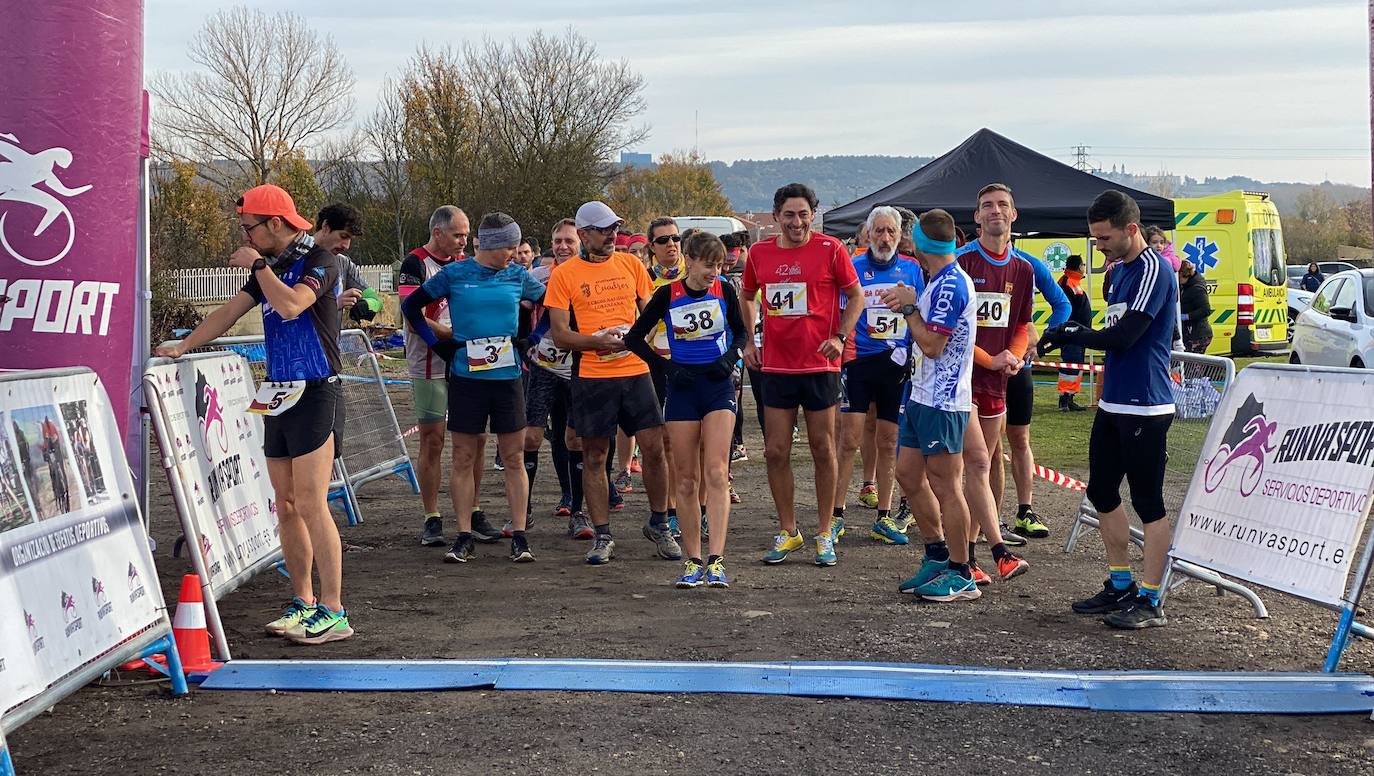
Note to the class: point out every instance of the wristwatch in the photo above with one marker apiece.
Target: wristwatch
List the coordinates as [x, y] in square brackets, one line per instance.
[259, 264]
[908, 309]
[839, 335]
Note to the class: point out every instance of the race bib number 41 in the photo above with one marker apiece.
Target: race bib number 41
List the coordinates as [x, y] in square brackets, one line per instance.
[786, 299]
[276, 398]
[994, 310]
[490, 353]
[699, 320]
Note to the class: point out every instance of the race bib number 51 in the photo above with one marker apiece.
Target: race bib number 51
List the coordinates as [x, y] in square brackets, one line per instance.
[885, 324]
[994, 310]
[786, 299]
[490, 353]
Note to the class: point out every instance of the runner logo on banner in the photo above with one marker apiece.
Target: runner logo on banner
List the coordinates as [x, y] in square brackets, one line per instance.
[76, 577]
[1282, 487]
[215, 451]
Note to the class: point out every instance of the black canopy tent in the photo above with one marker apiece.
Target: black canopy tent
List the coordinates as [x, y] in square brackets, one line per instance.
[1052, 198]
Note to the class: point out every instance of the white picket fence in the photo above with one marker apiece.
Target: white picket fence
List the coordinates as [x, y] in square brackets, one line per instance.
[212, 284]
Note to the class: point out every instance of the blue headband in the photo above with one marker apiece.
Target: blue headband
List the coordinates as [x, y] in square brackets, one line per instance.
[507, 236]
[925, 244]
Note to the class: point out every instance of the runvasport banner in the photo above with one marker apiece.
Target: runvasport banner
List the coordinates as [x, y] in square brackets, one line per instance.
[76, 576]
[71, 72]
[1282, 487]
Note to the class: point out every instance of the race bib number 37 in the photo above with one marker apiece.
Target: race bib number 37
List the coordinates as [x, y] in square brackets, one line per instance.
[490, 353]
[786, 299]
[994, 310]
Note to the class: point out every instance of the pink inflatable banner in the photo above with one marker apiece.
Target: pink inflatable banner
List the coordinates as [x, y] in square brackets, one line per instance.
[71, 72]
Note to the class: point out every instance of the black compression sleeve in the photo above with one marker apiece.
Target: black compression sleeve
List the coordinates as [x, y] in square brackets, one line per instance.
[1119, 337]
[414, 310]
[653, 313]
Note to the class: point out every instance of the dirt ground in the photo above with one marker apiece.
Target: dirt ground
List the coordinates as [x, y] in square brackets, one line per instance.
[405, 603]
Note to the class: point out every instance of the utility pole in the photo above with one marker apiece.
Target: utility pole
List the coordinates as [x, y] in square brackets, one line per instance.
[1080, 158]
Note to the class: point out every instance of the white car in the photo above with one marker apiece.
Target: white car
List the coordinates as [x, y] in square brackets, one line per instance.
[1338, 329]
[1298, 300]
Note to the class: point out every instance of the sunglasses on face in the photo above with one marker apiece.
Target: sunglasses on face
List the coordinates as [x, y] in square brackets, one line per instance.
[602, 229]
[667, 238]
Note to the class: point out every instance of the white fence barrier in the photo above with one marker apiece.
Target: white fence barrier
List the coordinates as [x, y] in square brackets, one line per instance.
[212, 284]
[78, 590]
[212, 453]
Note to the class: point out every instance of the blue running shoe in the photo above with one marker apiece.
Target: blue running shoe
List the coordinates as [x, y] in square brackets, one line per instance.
[825, 551]
[672, 527]
[715, 574]
[783, 545]
[949, 586]
[836, 529]
[887, 531]
[929, 570]
[693, 575]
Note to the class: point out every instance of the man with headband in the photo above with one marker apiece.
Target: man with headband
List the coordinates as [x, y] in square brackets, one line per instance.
[484, 367]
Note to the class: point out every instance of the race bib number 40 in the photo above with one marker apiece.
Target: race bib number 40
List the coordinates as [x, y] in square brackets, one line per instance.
[699, 320]
[885, 324]
[994, 310]
[275, 398]
[786, 299]
[490, 353]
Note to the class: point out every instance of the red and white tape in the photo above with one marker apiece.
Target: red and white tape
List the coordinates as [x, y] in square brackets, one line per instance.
[1065, 365]
[1057, 478]
[410, 431]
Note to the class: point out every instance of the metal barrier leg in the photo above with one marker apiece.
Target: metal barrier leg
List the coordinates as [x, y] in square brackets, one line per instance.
[167, 646]
[6, 764]
[1079, 521]
[407, 471]
[281, 568]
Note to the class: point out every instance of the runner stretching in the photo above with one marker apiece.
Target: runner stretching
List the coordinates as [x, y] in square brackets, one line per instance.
[802, 276]
[1130, 432]
[704, 336]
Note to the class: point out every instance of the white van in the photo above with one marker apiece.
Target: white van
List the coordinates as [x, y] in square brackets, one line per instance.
[717, 225]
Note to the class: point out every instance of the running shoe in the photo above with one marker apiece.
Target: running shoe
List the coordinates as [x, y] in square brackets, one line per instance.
[603, 549]
[1011, 566]
[825, 551]
[462, 551]
[623, 483]
[580, 526]
[564, 508]
[616, 502]
[693, 575]
[705, 527]
[496, 463]
[734, 497]
[902, 517]
[739, 454]
[949, 585]
[783, 545]
[836, 529]
[433, 535]
[508, 530]
[980, 577]
[886, 531]
[673, 527]
[482, 530]
[635, 467]
[520, 550]
[1010, 537]
[321, 626]
[1108, 599]
[1028, 524]
[930, 569]
[868, 495]
[715, 574]
[290, 617]
[1138, 613]
[664, 543]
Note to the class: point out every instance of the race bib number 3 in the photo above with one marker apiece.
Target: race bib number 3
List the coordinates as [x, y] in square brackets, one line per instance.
[994, 310]
[700, 320]
[885, 324]
[786, 299]
[276, 398]
[490, 353]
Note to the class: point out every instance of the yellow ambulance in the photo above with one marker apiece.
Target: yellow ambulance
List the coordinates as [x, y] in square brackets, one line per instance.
[1236, 242]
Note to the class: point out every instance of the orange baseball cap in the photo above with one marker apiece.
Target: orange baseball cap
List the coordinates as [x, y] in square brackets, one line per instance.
[270, 200]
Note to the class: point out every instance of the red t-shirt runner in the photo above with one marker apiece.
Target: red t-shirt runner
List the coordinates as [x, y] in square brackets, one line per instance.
[1003, 284]
[801, 300]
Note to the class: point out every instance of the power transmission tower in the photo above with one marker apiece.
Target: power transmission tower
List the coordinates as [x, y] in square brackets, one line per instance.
[1080, 158]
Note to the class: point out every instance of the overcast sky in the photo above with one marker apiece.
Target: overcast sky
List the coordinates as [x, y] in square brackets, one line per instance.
[1274, 90]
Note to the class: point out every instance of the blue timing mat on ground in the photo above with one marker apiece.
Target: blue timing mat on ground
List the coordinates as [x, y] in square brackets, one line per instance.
[1140, 691]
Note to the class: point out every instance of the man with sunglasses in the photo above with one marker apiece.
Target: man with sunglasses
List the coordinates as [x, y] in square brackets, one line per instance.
[293, 280]
[592, 301]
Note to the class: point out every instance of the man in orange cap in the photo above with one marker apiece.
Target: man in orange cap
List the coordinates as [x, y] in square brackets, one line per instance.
[293, 280]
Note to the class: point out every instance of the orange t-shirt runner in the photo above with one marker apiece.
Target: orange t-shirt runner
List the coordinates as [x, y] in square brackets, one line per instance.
[600, 296]
[801, 300]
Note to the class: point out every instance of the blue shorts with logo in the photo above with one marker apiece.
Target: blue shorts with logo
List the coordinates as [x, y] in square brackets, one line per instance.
[695, 399]
[932, 431]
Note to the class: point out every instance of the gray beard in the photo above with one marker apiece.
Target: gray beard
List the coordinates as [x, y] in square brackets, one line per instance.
[878, 254]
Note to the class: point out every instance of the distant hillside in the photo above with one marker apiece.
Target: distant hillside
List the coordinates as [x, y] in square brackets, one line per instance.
[839, 179]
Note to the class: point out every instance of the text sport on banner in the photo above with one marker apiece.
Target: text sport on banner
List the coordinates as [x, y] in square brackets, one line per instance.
[1282, 487]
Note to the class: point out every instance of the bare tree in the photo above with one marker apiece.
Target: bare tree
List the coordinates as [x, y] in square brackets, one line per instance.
[267, 82]
[441, 128]
[385, 132]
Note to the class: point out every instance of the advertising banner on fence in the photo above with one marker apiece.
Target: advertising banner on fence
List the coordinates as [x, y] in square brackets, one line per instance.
[71, 72]
[76, 576]
[1282, 486]
[215, 450]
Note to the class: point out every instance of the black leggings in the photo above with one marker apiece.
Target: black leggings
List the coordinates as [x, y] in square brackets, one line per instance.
[756, 378]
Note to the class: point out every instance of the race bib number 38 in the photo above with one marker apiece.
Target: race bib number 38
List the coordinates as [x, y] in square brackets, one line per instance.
[490, 353]
[699, 320]
[994, 310]
[786, 299]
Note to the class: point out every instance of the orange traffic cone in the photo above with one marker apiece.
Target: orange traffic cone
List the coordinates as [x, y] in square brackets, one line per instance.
[188, 628]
